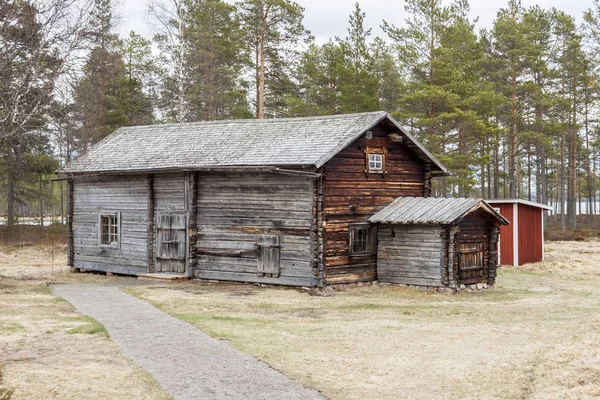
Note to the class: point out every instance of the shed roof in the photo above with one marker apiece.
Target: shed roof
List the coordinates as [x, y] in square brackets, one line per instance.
[519, 201]
[431, 210]
[289, 142]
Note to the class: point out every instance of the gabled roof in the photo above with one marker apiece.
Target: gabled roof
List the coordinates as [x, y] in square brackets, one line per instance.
[519, 201]
[281, 142]
[432, 210]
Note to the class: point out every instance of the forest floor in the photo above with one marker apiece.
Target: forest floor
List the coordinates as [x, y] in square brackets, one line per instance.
[536, 336]
[47, 350]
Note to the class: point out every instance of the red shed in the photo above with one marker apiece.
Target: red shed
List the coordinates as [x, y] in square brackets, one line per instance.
[522, 241]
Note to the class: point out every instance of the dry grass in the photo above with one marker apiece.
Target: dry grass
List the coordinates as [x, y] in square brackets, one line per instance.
[536, 336]
[49, 350]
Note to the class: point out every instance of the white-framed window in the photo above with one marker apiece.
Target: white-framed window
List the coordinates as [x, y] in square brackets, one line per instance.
[109, 230]
[375, 162]
[362, 239]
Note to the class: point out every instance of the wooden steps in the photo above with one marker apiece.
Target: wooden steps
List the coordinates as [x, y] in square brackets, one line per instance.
[163, 276]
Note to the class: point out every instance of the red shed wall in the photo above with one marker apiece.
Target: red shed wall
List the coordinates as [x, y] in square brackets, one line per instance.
[530, 234]
[506, 234]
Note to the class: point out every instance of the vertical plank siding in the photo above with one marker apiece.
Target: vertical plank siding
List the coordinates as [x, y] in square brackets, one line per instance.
[506, 234]
[474, 232]
[530, 234]
[192, 224]
[151, 226]
[412, 255]
[125, 194]
[70, 239]
[351, 195]
[235, 209]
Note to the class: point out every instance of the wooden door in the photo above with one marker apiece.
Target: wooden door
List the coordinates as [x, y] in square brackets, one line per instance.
[268, 256]
[171, 246]
[471, 261]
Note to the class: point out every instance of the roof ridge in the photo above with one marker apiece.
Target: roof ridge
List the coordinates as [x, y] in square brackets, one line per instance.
[255, 120]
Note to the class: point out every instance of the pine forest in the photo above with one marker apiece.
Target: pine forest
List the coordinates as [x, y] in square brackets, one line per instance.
[512, 110]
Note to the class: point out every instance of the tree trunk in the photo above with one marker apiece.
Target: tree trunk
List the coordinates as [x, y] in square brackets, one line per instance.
[260, 93]
[41, 194]
[514, 140]
[10, 199]
[572, 168]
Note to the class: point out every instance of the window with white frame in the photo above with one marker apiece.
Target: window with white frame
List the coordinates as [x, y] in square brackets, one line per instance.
[109, 230]
[375, 162]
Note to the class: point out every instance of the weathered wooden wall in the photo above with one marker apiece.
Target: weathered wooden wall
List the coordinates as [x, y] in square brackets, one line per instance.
[234, 209]
[125, 194]
[476, 228]
[351, 195]
[411, 254]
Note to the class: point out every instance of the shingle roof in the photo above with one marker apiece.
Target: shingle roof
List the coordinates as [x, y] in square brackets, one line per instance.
[310, 141]
[431, 210]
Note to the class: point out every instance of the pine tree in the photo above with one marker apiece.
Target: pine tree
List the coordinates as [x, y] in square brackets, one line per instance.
[98, 93]
[29, 68]
[273, 29]
[426, 99]
[214, 60]
[318, 77]
[358, 83]
[138, 86]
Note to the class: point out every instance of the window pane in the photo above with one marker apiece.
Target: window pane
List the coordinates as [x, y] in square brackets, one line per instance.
[109, 229]
[375, 161]
[360, 240]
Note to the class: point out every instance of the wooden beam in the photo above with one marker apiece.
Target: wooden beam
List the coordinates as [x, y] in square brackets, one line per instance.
[192, 224]
[70, 247]
[150, 227]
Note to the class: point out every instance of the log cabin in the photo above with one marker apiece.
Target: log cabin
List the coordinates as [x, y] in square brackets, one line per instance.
[275, 201]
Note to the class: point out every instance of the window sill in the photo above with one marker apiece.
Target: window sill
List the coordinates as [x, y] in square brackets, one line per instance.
[110, 246]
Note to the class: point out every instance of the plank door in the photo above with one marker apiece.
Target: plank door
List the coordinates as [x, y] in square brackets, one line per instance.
[171, 246]
[471, 262]
[268, 256]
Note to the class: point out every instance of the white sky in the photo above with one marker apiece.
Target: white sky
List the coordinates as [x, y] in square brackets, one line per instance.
[328, 18]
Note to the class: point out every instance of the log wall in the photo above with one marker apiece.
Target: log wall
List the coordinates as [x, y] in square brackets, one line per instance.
[412, 255]
[351, 195]
[127, 195]
[234, 209]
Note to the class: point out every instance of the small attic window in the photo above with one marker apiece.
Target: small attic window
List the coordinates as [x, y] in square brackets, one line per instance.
[375, 162]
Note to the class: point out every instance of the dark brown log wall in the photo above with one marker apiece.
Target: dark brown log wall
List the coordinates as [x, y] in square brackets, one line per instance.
[351, 195]
[476, 228]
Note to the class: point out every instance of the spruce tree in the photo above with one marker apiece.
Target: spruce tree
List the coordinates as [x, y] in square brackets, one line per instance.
[358, 83]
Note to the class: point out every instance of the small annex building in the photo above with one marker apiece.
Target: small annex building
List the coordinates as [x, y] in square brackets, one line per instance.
[522, 241]
[437, 242]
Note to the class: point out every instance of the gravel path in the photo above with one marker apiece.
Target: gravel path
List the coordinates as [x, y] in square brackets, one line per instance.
[185, 361]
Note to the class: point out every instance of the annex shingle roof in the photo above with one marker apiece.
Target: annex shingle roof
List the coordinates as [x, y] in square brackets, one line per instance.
[431, 210]
[309, 141]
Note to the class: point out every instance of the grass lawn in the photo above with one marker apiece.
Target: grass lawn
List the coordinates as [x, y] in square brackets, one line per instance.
[536, 336]
[47, 350]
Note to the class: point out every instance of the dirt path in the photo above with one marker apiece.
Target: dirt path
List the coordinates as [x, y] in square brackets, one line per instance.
[187, 363]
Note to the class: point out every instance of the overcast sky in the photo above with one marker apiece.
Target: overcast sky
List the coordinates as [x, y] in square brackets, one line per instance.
[329, 18]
